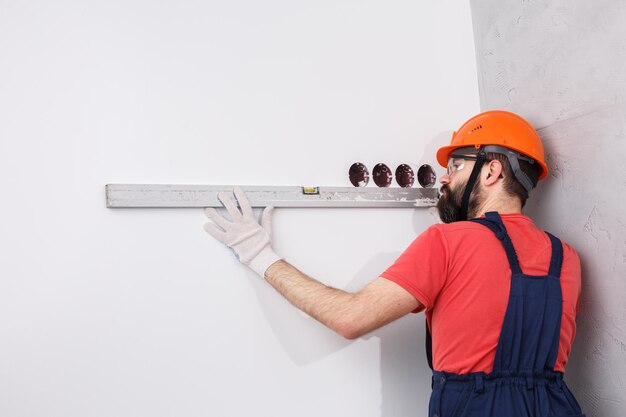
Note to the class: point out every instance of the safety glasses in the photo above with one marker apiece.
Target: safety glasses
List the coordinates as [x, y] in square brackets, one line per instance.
[456, 162]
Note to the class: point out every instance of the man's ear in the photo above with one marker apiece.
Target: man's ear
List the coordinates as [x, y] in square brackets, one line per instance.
[494, 172]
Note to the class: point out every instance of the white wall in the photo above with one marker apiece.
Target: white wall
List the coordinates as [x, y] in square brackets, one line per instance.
[140, 313]
[562, 65]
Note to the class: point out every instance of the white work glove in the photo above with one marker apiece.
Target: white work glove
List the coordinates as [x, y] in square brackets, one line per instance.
[250, 240]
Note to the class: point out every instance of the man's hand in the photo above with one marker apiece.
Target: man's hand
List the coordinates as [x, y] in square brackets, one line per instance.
[250, 240]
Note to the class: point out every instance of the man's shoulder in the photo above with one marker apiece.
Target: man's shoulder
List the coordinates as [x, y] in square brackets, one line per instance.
[459, 227]
[475, 230]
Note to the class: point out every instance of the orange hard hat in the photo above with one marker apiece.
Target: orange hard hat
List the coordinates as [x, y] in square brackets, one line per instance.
[501, 128]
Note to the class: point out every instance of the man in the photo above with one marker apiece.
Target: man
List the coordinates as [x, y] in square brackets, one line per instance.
[500, 295]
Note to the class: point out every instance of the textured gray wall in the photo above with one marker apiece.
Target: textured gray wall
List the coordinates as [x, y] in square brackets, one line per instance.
[562, 65]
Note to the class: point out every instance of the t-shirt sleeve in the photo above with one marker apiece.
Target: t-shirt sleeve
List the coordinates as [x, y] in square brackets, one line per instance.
[421, 270]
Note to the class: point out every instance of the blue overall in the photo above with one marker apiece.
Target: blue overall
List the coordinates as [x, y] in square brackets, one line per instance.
[523, 382]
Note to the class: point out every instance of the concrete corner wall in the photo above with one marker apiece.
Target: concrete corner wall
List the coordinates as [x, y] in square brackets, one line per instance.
[561, 64]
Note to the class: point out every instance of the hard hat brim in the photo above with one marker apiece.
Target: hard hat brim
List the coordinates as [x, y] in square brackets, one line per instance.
[443, 154]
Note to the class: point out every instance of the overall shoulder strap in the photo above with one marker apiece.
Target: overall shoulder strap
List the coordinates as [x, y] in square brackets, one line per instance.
[494, 222]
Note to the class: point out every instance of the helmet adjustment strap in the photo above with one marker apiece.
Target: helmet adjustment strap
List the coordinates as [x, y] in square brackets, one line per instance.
[514, 158]
[480, 160]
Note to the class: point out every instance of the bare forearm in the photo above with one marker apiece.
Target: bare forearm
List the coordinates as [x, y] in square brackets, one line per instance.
[350, 315]
[330, 306]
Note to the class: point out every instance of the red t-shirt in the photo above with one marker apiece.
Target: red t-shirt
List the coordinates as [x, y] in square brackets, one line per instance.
[460, 274]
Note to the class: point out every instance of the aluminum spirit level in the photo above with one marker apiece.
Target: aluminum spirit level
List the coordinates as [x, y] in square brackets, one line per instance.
[168, 196]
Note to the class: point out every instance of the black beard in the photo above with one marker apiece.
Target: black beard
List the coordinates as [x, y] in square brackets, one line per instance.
[449, 204]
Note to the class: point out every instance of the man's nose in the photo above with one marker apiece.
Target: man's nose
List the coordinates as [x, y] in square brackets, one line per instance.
[445, 179]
